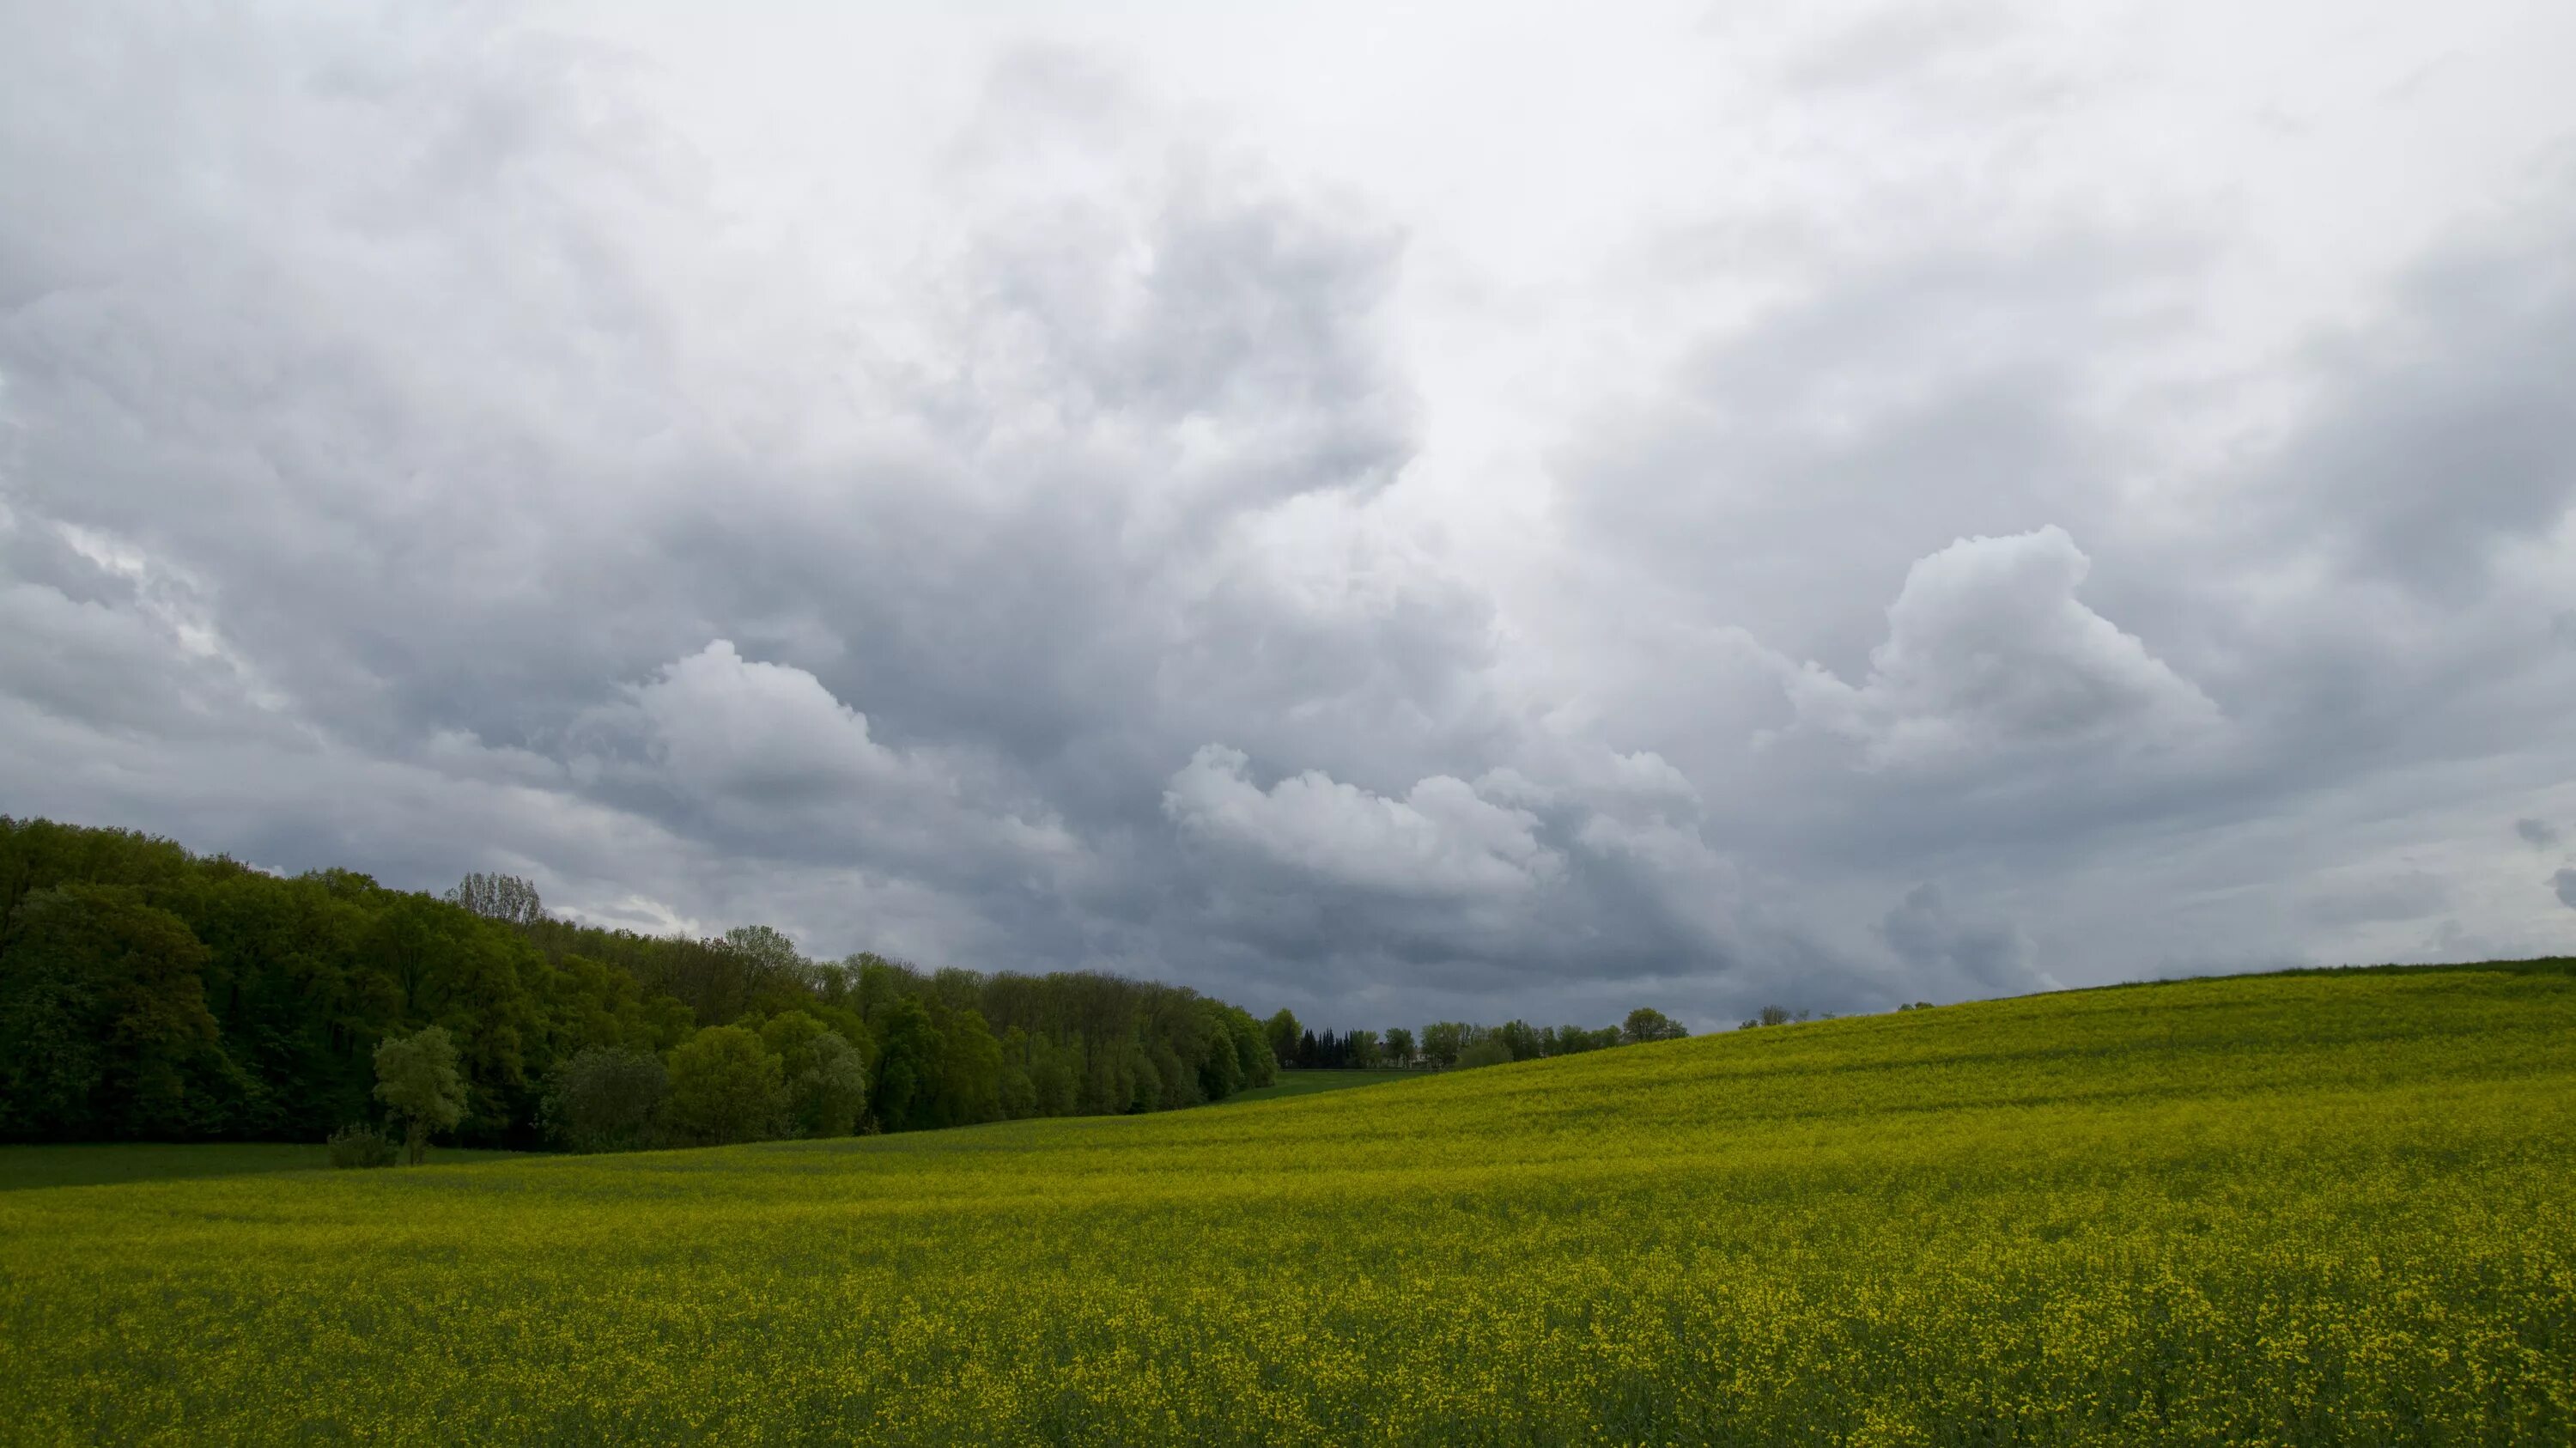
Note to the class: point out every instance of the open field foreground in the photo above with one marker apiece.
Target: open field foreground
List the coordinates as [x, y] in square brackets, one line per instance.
[2293, 1209]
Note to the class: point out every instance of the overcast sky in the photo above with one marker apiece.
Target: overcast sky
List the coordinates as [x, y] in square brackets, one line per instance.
[1391, 511]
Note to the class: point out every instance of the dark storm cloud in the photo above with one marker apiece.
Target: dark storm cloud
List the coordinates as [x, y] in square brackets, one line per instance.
[399, 466]
[960, 655]
[1956, 955]
[2063, 682]
[2446, 437]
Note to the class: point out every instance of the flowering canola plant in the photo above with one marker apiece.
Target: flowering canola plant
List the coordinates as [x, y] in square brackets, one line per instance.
[2307, 1208]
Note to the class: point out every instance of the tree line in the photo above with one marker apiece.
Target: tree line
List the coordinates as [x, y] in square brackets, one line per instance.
[1444, 1045]
[149, 993]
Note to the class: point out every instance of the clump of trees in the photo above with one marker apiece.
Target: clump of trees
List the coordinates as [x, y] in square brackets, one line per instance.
[1783, 1016]
[1446, 1045]
[606, 1098]
[148, 993]
[416, 1077]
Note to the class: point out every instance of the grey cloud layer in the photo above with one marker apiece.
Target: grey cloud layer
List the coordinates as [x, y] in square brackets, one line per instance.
[402, 468]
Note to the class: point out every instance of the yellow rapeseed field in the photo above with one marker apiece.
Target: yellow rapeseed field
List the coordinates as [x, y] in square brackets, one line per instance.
[2324, 1208]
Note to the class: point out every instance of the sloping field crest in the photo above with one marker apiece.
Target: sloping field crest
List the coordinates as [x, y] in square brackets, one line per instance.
[2334, 1207]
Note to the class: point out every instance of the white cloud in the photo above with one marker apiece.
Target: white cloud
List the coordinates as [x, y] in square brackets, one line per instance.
[1441, 838]
[1989, 654]
[719, 725]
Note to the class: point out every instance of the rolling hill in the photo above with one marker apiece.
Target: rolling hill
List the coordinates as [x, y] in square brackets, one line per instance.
[2312, 1207]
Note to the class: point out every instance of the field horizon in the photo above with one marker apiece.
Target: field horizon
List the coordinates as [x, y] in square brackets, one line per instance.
[2299, 1207]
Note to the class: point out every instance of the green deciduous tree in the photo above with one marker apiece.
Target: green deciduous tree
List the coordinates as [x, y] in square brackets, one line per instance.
[1283, 1031]
[968, 1085]
[1399, 1046]
[104, 1030]
[908, 1052]
[416, 1076]
[826, 1077]
[607, 1098]
[1443, 1040]
[505, 898]
[1361, 1048]
[117, 949]
[725, 1087]
[1645, 1024]
[1260, 1065]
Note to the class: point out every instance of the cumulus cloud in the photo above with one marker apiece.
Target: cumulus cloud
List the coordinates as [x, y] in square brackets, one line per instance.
[718, 724]
[2564, 883]
[430, 443]
[2539, 834]
[1989, 654]
[1441, 838]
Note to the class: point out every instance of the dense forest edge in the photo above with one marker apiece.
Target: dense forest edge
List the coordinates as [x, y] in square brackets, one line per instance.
[148, 993]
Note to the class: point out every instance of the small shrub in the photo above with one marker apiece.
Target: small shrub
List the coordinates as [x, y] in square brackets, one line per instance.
[362, 1145]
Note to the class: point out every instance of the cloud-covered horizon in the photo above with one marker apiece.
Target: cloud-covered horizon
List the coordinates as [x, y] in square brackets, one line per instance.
[1816, 513]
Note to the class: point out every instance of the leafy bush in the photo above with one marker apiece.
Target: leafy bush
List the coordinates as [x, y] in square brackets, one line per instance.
[361, 1145]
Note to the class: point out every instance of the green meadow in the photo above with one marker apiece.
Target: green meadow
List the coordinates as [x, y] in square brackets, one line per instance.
[2334, 1207]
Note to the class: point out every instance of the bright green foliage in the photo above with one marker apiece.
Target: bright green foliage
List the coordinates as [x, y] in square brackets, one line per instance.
[726, 1086]
[826, 1077]
[1280, 1032]
[416, 1077]
[1251, 1048]
[2304, 1209]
